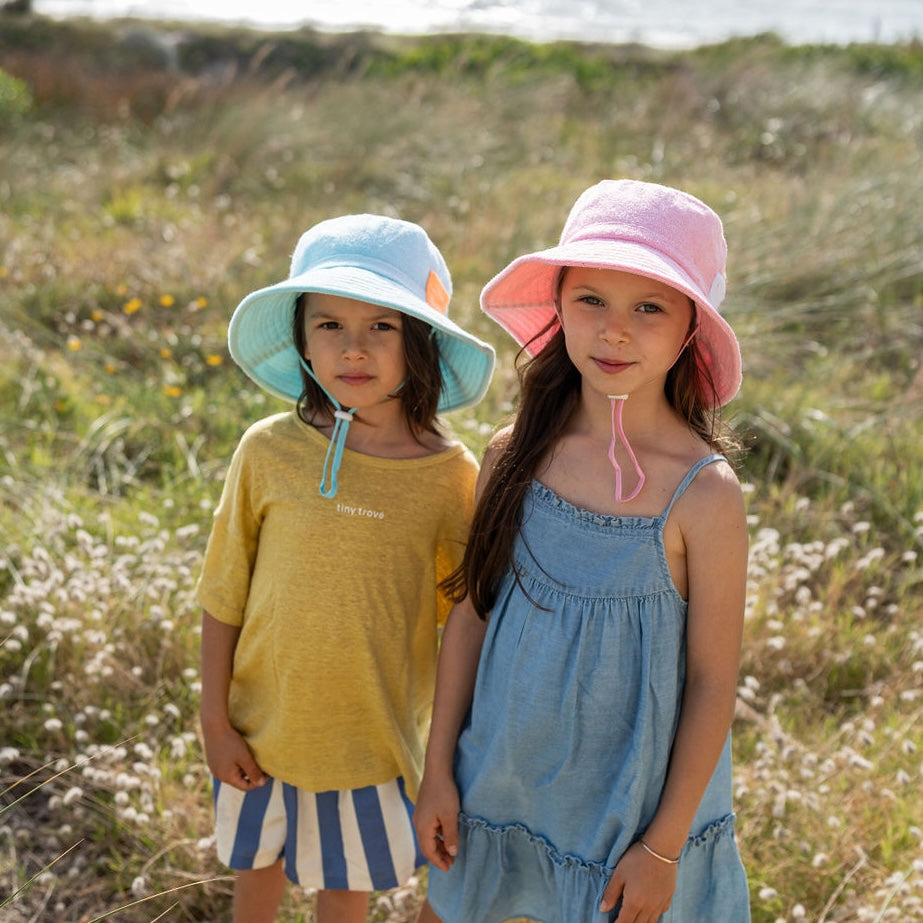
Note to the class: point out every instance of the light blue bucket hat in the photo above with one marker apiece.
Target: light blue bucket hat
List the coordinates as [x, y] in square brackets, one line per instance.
[371, 258]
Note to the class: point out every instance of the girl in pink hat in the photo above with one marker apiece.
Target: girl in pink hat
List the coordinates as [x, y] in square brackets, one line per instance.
[579, 761]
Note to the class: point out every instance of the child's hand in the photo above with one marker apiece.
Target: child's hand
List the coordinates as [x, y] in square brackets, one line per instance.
[436, 820]
[645, 885]
[230, 761]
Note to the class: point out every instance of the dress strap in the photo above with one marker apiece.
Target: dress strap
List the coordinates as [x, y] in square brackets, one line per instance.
[689, 478]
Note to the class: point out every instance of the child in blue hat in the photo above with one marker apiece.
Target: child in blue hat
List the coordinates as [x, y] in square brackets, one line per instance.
[320, 584]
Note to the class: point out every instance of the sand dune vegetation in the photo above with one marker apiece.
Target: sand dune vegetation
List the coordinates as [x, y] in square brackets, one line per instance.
[151, 175]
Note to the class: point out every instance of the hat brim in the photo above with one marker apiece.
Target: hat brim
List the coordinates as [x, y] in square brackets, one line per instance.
[260, 336]
[521, 299]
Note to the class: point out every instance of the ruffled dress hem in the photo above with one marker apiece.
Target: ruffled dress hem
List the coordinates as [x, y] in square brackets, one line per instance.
[551, 886]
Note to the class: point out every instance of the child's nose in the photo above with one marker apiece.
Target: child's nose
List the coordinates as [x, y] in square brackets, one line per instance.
[613, 328]
[355, 344]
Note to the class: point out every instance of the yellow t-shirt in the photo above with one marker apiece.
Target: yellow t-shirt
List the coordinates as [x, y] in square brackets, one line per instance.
[336, 599]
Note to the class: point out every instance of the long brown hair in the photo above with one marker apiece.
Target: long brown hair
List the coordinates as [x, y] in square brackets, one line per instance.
[420, 392]
[549, 391]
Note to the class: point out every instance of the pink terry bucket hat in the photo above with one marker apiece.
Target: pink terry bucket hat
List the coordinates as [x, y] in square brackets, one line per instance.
[633, 226]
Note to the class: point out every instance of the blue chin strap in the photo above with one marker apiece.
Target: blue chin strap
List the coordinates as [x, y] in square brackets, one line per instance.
[328, 483]
[334, 456]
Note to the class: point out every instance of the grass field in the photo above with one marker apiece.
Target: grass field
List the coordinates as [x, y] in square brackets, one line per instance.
[149, 178]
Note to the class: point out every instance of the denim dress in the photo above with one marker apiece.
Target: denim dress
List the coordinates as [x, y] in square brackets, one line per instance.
[562, 759]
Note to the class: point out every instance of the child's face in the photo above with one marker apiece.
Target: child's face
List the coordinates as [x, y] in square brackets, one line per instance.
[356, 349]
[623, 331]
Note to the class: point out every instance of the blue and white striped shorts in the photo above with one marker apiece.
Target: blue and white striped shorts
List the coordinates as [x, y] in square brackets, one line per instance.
[355, 840]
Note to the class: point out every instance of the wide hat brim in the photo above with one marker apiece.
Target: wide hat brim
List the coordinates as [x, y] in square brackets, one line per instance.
[260, 338]
[521, 299]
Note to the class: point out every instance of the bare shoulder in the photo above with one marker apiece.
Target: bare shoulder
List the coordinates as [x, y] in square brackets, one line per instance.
[497, 445]
[492, 453]
[714, 498]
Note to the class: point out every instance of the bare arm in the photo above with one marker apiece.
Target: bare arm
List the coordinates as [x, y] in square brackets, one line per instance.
[717, 566]
[458, 663]
[436, 813]
[715, 534]
[229, 757]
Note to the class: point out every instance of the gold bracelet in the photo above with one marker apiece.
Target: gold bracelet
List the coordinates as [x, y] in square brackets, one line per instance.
[657, 855]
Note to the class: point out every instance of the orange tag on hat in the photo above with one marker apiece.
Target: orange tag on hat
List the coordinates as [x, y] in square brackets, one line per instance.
[436, 295]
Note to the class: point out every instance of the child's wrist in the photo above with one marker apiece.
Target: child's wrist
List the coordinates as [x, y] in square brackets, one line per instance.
[663, 840]
[215, 723]
[656, 854]
[434, 765]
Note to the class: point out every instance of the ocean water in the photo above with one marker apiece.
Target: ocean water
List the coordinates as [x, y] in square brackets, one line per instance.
[660, 23]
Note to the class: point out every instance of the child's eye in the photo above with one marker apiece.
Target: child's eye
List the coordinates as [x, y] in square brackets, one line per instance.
[649, 307]
[590, 299]
[383, 325]
[328, 325]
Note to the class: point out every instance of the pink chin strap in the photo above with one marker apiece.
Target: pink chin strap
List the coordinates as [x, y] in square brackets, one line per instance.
[617, 402]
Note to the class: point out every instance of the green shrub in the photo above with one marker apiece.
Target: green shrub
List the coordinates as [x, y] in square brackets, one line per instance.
[15, 98]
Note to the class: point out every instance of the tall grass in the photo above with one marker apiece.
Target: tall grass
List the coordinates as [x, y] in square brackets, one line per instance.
[136, 213]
